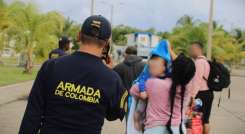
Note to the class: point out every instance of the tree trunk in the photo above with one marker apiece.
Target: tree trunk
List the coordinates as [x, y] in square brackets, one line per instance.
[29, 63]
[1, 62]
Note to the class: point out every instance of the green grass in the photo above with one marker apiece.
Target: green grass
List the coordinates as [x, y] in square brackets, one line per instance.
[14, 60]
[9, 60]
[11, 75]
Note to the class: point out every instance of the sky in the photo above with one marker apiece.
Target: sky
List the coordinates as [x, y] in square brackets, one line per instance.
[159, 14]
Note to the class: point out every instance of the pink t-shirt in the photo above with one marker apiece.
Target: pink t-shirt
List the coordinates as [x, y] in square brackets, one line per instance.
[202, 70]
[158, 107]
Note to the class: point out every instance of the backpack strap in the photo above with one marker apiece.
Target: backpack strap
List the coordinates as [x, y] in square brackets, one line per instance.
[201, 57]
[229, 93]
[220, 99]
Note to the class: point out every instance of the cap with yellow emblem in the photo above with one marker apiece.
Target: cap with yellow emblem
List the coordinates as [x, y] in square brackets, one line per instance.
[97, 26]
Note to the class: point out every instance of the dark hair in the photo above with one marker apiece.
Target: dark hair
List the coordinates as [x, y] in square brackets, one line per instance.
[199, 44]
[85, 39]
[183, 70]
[154, 57]
[131, 50]
[63, 43]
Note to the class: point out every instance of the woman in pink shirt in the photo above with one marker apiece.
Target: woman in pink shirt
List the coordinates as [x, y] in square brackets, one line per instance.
[166, 95]
[200, 86]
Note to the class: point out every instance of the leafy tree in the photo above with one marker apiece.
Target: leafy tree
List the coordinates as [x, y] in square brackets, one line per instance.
[185, 20]
[36, 33]
[187, 31]
[71, 29]
[3, 21]
[32, 29]
[119, 32]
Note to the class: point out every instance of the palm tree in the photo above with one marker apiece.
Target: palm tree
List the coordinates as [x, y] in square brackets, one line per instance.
[238, 34]
[31, 28]
[185, 20]
[4, 24]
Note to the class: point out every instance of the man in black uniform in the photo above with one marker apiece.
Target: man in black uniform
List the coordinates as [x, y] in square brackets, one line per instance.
[64, 45]
[73, 94]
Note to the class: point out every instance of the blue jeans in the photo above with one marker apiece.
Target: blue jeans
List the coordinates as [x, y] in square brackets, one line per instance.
[161, 130]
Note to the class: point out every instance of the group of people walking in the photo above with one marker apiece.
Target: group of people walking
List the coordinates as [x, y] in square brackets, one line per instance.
[72, 94]
[164, 89]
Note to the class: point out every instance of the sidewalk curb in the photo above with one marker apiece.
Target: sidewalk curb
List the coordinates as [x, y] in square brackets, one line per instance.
[14, 92]
[14, 85]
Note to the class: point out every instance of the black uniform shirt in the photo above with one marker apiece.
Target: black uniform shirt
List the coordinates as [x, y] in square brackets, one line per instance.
[72, 95]
[56, 53]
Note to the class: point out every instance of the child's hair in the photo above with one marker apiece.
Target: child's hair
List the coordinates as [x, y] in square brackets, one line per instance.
[183, 70]
[156, 56]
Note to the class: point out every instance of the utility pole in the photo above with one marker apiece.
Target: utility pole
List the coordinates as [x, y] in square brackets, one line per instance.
[112, 11]
[92, 7]
[210, 30]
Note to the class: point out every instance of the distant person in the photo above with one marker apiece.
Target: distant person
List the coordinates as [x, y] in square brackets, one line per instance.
[131, 67]
[119, 54]
[75, 93]
[200, 86]
[64, 46]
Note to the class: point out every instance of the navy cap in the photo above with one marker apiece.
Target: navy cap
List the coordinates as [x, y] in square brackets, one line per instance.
[97, 26]
[63, 41]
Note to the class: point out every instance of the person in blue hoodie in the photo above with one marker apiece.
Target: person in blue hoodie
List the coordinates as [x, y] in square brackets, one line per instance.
[162, 50]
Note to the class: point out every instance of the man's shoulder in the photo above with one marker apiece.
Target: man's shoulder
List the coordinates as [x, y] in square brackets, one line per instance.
[110, 73]
[121, 64]
[54, 61]
[124, 65]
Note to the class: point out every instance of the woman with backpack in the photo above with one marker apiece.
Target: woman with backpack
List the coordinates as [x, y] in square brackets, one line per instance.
[200, 86]
[210, 76]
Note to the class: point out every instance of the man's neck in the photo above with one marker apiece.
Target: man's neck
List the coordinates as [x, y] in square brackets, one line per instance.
[93, 50]
[200, 55]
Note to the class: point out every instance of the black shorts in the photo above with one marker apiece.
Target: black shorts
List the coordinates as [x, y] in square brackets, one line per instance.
[207, 99]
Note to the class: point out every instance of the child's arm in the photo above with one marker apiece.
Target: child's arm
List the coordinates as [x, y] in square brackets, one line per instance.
[143, 95]
[134, 91]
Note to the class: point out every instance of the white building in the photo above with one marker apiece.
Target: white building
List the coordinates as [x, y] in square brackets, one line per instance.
[144, 41]
[8, 52]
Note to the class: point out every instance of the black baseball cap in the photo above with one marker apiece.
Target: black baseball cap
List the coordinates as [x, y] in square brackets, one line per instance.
[63, 41]
[97, 26]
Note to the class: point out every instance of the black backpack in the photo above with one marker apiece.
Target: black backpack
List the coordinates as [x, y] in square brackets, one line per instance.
[219, 76]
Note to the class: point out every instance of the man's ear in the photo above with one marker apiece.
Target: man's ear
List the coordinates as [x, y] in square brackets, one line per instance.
[79, 36]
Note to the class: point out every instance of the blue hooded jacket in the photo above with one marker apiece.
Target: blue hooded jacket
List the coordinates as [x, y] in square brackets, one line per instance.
[160, 50]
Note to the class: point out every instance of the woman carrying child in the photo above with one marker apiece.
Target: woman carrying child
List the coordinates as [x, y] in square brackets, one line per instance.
[166, 91]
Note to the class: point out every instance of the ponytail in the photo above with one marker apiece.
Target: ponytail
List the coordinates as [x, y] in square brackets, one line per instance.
[183, 70]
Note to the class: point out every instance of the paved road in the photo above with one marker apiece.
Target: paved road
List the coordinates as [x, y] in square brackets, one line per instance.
[228, 119]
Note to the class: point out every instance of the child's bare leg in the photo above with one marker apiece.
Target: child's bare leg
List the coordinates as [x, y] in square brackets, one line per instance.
[137, 124]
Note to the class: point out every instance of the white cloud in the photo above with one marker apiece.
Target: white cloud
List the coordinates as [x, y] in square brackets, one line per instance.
[160, 14]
